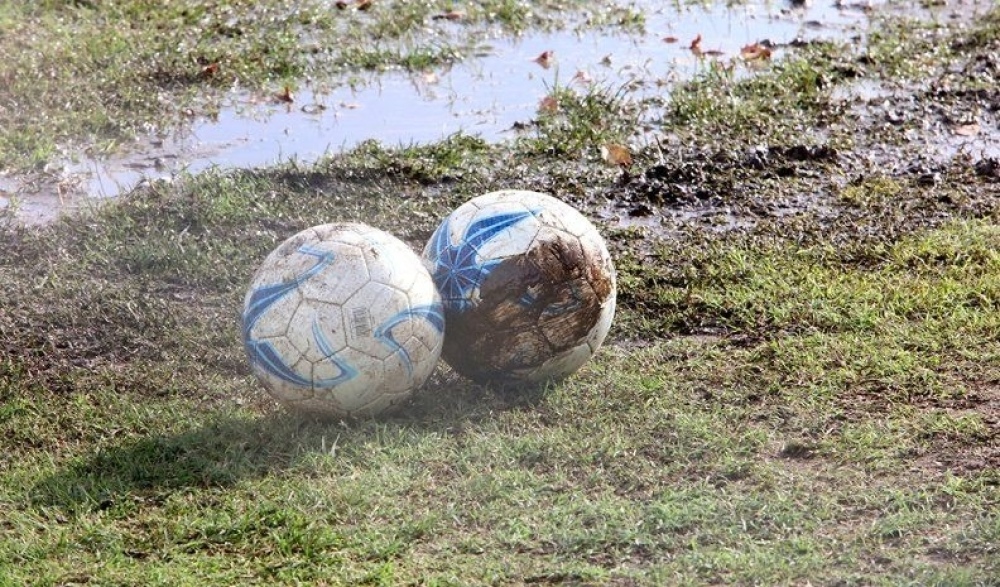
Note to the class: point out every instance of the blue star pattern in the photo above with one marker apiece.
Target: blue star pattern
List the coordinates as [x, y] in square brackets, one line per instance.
[433, 313]
[264, 355]
[457, 270]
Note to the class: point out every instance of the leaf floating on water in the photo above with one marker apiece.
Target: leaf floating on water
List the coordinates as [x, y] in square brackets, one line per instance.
[615, 154]
[696, 44]
[754, 52]
[669, 39]
[549, 105]
[582, 77]
[314, 108]
[545, 59]
[285, 95]
[695, 48]
[966, 130]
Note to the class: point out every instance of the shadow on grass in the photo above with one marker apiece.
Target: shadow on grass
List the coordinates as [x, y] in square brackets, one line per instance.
[218, 453]
[229, 447]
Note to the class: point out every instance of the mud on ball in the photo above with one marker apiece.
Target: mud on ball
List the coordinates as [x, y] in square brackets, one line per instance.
[527, 284]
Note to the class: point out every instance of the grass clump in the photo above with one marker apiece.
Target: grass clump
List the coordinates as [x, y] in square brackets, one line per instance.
[761, 107]
[577, 124]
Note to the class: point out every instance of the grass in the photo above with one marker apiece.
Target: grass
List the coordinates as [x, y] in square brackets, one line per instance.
[792, 392]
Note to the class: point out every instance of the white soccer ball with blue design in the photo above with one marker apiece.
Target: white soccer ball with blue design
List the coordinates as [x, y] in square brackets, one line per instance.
[342, 320]
[527, 284]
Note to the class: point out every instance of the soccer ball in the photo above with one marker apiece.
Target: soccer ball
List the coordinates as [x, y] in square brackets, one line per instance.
[342, 320]
[527, 284]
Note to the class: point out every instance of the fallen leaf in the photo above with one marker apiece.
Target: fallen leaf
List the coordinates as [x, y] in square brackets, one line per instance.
[966, 130]
[616, 154]
[341, 4]
[209, 70]
[712, 53]
[549, 105]
[313, 108]
[285, 95]
[670, 39]
[696, 43]
[582, 77]
[364, 4]
[450, 15]
[755, 51]
[545, 59]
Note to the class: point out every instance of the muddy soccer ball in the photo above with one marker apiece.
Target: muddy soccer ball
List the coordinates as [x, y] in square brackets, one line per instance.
[527, 284]
[342, 320]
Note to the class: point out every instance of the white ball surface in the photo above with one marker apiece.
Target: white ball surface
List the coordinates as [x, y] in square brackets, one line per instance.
[528, 287]
[342, 320]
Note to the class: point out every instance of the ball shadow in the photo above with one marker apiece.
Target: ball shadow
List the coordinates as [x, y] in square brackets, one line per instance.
[217, 454]
[229, 448]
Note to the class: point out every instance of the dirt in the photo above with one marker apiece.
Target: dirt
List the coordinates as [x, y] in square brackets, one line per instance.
[524, 311]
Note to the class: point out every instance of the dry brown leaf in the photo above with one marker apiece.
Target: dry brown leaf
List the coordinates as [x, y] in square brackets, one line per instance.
[966, 130]
[669, 39]
[209, 70]
[755, 51]
[582, 77]
[696, 43]
[615, 154]
[545, 59]
[450, 15]
[549, 105]
[712, 53]
[341, 4]
[285, 95]
[364, 4]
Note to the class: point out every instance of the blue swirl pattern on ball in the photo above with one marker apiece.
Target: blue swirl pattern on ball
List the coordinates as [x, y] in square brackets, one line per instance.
[433, 313]
[457, 271]
[263, 354]
[266, 296]
[347, 372]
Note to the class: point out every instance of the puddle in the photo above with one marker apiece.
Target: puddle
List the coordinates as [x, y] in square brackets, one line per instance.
[485, 96]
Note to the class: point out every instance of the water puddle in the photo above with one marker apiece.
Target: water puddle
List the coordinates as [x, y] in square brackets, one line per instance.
[486, 96]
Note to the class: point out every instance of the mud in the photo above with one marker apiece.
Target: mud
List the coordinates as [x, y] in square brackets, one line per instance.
[532, 307]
